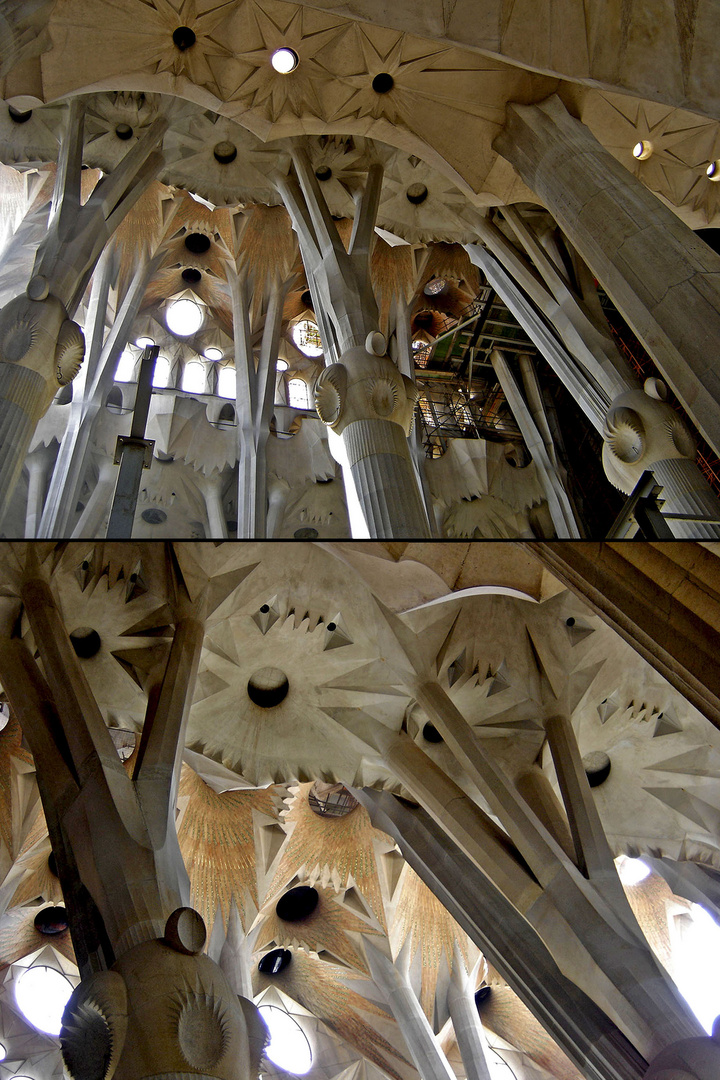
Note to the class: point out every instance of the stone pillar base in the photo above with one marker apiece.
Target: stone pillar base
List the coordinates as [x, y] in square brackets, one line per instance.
[379, 458]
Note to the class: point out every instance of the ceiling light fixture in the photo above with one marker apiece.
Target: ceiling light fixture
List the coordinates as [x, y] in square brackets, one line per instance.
[284, 60]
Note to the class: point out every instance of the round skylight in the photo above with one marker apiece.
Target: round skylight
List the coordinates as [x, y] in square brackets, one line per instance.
[42, 994]
[284, 60]
[289, 1047]
[184, 317]
[213, 353]
[306, 336]
[143, 342]
[642, 150]
[281, 365]
[713, 170]
[3, 1051]
[631, 871]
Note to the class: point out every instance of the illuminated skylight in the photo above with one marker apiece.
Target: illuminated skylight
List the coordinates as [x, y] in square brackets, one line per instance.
[289, 1047]
[631, 871]
[184, 317]
[306, 336]
[143, 342]
[42, 994]
[281, 365]
[284, 60]
[213, 353]
[3, 1051]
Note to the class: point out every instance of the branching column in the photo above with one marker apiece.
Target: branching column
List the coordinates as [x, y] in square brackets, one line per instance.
[663, 278]
[466, 1023]
[41, 348]
[361, 395]
[148, 997]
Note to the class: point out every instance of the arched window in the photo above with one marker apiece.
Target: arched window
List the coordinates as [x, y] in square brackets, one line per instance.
[125, 371]
[306, 336]
[299, 396]
[226, 417]
[193, 380]
[226, 382]
[161, 376]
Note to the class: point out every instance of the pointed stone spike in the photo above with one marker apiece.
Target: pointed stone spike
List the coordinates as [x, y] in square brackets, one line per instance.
[457, 669]
[224, 584]
[666, 724]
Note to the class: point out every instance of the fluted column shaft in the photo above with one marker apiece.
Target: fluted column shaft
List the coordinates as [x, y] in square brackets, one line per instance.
[663, 278]
[468, 1028]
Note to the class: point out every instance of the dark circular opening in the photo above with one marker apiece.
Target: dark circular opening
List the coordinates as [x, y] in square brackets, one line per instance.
[191, 275]
[183, 38]
[51, 920]
[225, 152]
[306, 534]
[154, 517]
[482, 994]
[268, 687]
[597, 767]
[231, 525]
[323, 172]
[416, 194]
[85, 641]
[299, 903]
[383, 82]
[20, 116]
[431, 733]
[52, 864]
[306, 299]
[198, 243]
[570, 621]
[332, 626]
[265, 608]
[274, 962]
[124, 132]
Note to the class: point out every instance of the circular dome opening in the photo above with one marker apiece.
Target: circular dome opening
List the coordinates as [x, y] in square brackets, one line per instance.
[144, 342]
[289, 1047]
[85, 641]
[713, 171]
[324, 172]
[597, 767]
[306, 533]
[51, 920]
[224, 152]
[281, 365]
[431, 734]
[416, 194]
[284, 60]
[213, 353]
[274, 962]
[482, 994]
[183, 38]
[154, 516]
[42, 994]
[383, 82]
[268, 687]
[191, 275]
[297, 904]
[124, 132]
[198, 243]
[435, 287]
[20, 116]
[306, 299]
[306, 337]
[331, 800]
[184, 317]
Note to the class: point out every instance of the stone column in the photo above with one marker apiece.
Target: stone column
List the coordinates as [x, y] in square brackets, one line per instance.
[98, 505]
[41, 348]
[642, 432]
[663, 278]
[212, 491]
[419, 1037]
[38, 465]
[466, 1023]
[361, 394]
[581, 1029]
